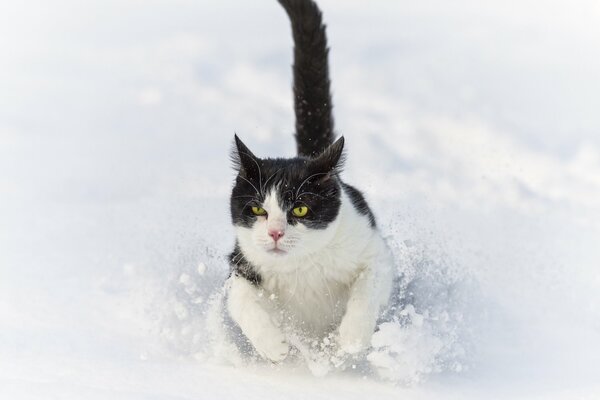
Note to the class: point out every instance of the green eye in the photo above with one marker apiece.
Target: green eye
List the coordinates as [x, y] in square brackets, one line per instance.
[258, 211]
[300, 211]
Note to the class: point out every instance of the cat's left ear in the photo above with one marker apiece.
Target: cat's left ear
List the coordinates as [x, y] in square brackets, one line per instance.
[243, 160]
[331, 159]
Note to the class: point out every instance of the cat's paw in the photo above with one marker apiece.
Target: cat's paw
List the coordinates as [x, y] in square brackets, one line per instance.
[354, 335]
[272, 346]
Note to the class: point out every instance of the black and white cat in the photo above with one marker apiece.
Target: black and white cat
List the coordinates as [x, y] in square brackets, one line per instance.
[308, 256]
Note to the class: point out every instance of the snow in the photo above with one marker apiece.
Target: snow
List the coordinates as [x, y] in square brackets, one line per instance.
[472, 128]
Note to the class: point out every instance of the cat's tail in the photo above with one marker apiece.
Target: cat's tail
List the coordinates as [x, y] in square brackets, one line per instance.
[312, 97]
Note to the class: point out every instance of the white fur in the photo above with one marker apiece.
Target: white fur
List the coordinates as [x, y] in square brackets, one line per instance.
[329, 280]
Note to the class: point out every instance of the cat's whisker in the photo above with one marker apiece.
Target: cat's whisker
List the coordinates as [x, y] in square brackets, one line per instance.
[248, 202]
[259, 174]
[240, 260]
[310, 209]
[314, 194]
[238, 255]
[272, 175]
[251, 184]
[306, 180]
[287, 191]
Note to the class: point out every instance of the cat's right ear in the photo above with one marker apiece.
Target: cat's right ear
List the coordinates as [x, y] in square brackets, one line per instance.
[331, 159]
[243, 160]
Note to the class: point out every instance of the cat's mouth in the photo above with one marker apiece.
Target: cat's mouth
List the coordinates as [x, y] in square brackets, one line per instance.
[277, 250]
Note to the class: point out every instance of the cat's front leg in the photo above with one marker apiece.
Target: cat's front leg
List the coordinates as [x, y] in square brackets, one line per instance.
[245, 306]
[359, 320]
[369, 292]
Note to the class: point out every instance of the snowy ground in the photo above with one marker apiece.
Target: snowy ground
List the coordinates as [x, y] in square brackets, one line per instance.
[473, 128]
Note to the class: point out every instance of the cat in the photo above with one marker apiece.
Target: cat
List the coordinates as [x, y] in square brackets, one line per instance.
[308, 256]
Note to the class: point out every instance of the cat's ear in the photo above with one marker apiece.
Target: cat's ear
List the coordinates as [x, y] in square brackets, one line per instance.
[243, 160]
[331, 159]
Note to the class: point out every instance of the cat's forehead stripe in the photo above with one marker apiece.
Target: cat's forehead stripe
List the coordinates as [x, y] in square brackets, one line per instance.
[271, 202]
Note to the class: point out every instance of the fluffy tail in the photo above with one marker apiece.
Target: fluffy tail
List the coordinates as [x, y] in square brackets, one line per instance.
[312, 98]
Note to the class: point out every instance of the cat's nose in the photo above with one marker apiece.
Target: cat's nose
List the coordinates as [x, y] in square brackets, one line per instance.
[275, 234]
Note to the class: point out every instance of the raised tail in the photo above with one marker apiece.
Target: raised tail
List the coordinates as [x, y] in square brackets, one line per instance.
[312, 97]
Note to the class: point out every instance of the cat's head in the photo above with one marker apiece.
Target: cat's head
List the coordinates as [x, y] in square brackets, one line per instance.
[285, 207]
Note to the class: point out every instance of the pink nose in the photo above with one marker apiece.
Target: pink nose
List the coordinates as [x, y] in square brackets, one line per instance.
[275, 234]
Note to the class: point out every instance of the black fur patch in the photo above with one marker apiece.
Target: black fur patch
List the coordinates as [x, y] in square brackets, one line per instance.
[359, 203]
[242, 267]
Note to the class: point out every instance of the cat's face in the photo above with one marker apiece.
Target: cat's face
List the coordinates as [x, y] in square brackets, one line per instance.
[285, 207]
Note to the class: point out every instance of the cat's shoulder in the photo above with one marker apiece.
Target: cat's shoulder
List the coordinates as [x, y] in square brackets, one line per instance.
[359, 202]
